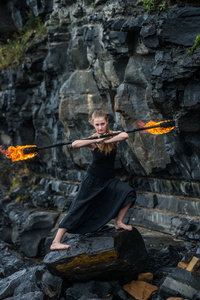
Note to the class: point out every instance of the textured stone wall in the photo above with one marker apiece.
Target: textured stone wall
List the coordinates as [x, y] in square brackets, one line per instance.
[132, 63]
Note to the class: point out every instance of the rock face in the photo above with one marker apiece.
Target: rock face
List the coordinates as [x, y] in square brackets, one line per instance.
[31, 283]
[102, 256]
[180, 283]
[135, 65]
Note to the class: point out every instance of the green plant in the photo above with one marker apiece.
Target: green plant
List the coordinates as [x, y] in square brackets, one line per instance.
[196, 44]
[162, 5]
[93, 5]
[154, 4]
[34, 24]
[22, 197]
[13, 50]
[149, 4]
[15, 184]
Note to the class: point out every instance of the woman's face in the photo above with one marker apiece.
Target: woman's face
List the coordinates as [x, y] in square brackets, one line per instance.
[100, 124]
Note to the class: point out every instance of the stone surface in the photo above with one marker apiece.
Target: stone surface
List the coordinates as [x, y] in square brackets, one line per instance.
[24, 279]
[180, 283]
[135, 65]
[105, 255]
[140, 290]
[34, 282]
[118, 57]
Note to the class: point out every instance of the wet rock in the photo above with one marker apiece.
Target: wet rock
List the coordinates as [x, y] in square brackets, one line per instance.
[180, 283]
[140, 289]
[51, 285]
[97, 290]
[31, 295]
[35, 230]
[196, 296]
[182, 226]
[89, 290]
[134, 65]
[105, 255]
[11, 260]
[20, 283]
[180, 17]
[27, 228]
[35, 282]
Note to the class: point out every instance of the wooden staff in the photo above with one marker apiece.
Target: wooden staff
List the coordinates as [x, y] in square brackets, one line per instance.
[34, 149]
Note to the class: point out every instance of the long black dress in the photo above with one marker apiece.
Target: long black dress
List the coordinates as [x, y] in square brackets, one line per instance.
[100, 197]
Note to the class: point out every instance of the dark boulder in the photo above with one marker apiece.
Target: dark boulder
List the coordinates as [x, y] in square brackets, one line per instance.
[104, 255]
[180, 283]
[34, 283]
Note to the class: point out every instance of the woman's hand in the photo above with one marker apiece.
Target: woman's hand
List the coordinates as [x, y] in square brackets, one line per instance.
[99, 141]
[117, 138]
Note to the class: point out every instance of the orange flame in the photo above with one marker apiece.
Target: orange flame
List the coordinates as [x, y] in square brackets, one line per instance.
[16, 153]
[158, 130]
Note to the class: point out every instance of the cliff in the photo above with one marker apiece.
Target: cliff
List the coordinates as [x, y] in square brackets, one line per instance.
[134, 64]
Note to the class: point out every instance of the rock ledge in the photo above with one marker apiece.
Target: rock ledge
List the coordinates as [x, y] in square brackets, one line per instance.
[105, 255]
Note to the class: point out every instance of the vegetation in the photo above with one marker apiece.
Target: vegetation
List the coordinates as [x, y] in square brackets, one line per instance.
[13, 50]
[15, 184]
[154, 4]
[93, 5]
[196, 44]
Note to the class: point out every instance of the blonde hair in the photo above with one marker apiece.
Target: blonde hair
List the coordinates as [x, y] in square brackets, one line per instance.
[103, 147]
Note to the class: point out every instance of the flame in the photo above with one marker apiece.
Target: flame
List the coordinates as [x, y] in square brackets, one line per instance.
[158, 130]
[139, 124]
[16, 153]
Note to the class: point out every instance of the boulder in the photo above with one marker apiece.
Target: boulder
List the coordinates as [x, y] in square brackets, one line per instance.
[35, 229]
[21, 282]
[141, 290]
[33, 283]
[180, 283]
[104, 255]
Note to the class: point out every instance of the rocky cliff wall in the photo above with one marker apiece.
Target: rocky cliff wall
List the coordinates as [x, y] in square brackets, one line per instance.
[132, 63]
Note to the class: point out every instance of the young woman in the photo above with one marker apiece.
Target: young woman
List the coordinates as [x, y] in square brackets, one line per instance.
[101, 196]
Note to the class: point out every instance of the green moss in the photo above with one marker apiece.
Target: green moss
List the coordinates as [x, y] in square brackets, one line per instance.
[13, 50]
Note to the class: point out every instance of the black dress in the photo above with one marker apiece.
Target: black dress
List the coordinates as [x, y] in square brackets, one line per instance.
[100, 197]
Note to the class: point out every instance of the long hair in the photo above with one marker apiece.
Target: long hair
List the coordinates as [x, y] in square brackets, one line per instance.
[103, 147]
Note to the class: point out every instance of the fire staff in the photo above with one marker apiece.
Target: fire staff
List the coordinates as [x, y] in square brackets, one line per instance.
[101, 196]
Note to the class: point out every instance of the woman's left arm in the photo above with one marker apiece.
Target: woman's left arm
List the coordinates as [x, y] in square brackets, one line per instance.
[117, 138]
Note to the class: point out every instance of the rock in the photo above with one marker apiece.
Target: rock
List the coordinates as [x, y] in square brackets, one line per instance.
[51, 285]
[147, 277]
[31, 283]
[141, 290]
[35, 230]
[90, 290]
[11, 260]
[180, 283]
[31, 295]
[180, 17]
[174, 298]
[196, 296]
[182, 265]
[194, 266]
[104, 255]
[97, 290]
[20, 283]
[133, 64]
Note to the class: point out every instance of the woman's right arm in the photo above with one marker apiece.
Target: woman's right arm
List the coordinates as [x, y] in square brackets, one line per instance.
[86, 143]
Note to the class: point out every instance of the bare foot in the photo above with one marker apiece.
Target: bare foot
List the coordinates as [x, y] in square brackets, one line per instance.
[59, 246]
[121, 225]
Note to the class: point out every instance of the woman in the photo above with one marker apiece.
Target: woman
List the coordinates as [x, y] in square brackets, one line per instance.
[101, 196]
